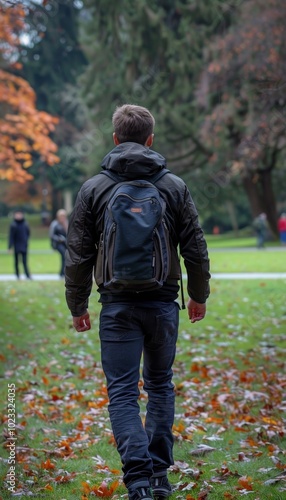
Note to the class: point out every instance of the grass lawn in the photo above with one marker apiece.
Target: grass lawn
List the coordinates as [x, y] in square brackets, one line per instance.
[270, 260]
[47, 262]
[229, 376]
[229, 241]
[42, 259]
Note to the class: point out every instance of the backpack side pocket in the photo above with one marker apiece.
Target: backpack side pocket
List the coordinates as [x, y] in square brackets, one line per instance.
[99, 262]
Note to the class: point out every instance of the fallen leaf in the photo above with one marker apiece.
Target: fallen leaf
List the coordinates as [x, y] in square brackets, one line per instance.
[202, 449]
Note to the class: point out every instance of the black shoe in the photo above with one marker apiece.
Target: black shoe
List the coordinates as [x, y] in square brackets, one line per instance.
[142, 492]
[161, 487]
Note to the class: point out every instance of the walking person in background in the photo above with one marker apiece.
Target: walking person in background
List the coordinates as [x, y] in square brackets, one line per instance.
[143, 321]
[282, 228]
[19, 234]
[260, 228]
[58, 235]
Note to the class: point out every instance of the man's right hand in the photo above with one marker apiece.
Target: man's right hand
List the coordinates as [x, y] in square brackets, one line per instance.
[81, 323]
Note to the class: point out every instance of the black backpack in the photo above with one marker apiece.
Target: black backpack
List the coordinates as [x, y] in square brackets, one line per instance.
[134, 248]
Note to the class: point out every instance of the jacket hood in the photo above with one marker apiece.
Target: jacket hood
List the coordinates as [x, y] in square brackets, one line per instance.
[130, 159]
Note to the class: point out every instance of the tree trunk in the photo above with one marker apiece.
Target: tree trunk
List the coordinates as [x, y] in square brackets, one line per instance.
[57, 201]
[232, 215]
[262, 203]
[269, 201]
[67, 197]
[253, 195]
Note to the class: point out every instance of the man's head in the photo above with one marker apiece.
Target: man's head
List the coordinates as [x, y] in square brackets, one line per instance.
[133, 124]
[61, 216]
[18, 215]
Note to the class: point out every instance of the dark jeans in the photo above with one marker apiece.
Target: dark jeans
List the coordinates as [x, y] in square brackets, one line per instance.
[260, 239]
[127, 331]
[61, 248]
[24, 260]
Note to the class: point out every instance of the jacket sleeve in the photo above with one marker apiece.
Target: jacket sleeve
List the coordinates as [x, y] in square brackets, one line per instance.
[28, 231]
[80, 256]
[11, 240]
[193, 249]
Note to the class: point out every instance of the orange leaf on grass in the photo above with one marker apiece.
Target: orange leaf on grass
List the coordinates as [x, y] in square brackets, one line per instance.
[83, 426]
[214, 420]
[65, 478]
[104, 490]
[49, 487]
[251, 442]
[47, 465]
[65, 340]
[179, 428]
[41, 415]
[270, 421]
[98, 404]
[85, 487]
[245, 483]
[100, 491]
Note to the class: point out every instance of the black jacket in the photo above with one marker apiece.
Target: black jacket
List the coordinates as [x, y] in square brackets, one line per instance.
[133, 161]
[19, 236]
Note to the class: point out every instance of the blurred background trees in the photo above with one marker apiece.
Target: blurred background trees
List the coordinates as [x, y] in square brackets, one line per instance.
[212, 73]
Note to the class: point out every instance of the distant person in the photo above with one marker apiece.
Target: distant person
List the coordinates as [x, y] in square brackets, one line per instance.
[260, 228]
[45, 217]
[19, 234]
[282, 228]
[58, 235]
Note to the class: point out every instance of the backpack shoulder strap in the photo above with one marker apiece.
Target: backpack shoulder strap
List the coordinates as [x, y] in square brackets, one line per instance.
[154, 179]
[159, 175]
[112, 176]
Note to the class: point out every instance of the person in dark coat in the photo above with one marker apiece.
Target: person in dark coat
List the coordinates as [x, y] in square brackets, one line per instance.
[19, 235]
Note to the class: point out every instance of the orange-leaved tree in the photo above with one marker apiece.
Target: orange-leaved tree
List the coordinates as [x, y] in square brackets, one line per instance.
[24, 131]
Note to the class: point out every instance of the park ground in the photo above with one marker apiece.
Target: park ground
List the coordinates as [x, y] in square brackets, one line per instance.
[229, 378]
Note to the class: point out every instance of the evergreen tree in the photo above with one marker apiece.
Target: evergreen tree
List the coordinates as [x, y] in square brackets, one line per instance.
[148, 53]
[191, 63]
[152, 54]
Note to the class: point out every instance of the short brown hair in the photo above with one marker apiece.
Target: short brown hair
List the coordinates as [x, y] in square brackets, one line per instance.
[133, 123]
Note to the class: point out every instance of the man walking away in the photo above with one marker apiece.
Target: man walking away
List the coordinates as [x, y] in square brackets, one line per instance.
[142, 320]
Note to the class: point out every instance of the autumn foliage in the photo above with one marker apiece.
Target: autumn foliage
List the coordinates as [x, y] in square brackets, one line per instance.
[24, 131]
